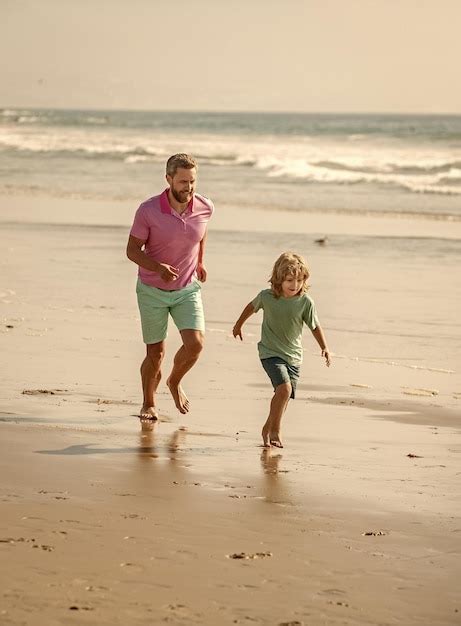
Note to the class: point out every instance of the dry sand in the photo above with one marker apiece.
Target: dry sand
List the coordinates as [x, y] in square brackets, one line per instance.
[356, 521]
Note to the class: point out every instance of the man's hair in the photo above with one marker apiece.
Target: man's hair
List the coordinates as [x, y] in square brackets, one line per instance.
[179, 160]
[288, 264]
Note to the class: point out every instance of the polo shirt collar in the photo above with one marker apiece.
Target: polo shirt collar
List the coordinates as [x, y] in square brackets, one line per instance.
[165, 204]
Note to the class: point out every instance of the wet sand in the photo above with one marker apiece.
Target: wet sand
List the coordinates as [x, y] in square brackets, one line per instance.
[355, 521]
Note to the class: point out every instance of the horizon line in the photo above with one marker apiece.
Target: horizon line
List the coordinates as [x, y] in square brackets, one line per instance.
[231, 111]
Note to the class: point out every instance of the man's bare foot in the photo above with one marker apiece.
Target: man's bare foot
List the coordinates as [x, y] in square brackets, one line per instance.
[275, 440]
[265, 435]
[179, 397]
[148, 413]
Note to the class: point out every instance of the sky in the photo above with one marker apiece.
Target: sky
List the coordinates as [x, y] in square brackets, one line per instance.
[232, 55]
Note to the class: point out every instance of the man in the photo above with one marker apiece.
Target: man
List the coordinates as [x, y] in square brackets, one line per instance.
[167, 242]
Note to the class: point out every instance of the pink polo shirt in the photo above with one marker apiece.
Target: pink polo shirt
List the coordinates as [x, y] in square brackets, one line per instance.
[171, 238]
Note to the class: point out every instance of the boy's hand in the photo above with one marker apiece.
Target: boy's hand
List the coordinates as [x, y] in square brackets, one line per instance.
[237, 332]
[326, 355]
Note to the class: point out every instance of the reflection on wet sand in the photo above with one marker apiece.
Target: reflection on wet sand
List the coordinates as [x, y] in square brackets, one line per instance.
[275, 486]
[149, 447]
[174, 442]
[147, 441]
[270, 463]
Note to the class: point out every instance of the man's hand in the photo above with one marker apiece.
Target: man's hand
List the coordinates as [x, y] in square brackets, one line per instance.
[202, 274]
[327, 357]
[237, 332]
[167, 272]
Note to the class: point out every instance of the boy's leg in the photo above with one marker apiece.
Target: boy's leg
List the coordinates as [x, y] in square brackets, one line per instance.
[271, 429]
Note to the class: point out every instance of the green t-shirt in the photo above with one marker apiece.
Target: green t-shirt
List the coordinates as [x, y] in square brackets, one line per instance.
[282, 325]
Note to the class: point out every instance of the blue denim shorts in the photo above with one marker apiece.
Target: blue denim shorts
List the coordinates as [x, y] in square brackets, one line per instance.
[280, 372]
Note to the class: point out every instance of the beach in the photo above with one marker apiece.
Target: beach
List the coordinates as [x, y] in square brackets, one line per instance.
[355, 521]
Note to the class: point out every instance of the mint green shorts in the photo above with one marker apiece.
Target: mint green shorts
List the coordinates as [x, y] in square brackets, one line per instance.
[184, 306]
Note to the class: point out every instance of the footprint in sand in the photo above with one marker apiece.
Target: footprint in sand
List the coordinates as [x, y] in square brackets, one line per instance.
[43, 547]
[132, 567]
[409, 391]
[246, 555]
[37, 392]
[121, 402]
[332, 592]
[97, 588]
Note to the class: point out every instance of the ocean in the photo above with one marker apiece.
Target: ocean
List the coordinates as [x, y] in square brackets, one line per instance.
[349, 164]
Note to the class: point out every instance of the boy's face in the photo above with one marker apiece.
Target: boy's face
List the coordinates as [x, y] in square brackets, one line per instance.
[292, 285]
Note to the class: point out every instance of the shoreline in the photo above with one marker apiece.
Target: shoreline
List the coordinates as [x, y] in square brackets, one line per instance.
[95, 214]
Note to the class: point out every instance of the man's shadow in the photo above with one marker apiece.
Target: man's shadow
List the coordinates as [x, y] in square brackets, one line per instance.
[148, 448]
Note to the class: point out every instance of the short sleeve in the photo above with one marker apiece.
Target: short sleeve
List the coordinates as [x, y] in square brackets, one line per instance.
[140, 228]
[257, 302]
[310, 315]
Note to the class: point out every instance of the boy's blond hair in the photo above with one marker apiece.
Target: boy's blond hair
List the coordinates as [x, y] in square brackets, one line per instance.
[288, 264]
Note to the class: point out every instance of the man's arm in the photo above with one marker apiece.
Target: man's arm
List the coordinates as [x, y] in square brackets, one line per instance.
[202, 273]
[136, 254]
[245, 314]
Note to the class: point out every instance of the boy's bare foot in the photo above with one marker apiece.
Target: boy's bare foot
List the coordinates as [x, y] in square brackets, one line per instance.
[179, 397]
[148, 413]
[265, 435]
[275, 440]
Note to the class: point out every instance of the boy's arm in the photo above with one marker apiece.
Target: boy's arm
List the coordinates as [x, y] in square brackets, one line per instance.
[320, 338]
[246, 313]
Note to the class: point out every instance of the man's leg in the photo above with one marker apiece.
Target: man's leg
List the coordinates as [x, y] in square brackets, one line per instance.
[153, 308]
[184, 359]
[150, 376]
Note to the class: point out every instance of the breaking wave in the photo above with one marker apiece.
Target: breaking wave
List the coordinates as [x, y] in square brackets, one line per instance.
[341, 151]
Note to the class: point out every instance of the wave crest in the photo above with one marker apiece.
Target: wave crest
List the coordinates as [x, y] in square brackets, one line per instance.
[415, 169]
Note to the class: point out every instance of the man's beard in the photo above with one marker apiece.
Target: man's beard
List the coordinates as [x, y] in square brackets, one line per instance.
[180, 196]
